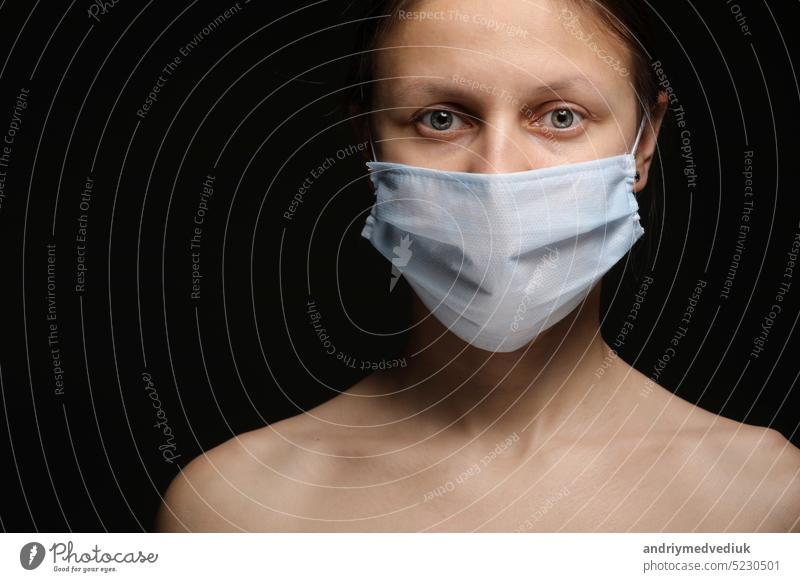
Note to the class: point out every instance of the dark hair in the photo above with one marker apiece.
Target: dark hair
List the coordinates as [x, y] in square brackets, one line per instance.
[628, 20]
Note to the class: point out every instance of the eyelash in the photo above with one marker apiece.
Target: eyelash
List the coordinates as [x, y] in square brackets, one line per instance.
[418, 118]
[574, 111]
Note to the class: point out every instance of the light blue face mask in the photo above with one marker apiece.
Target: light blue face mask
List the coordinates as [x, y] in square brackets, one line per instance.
[499, 258]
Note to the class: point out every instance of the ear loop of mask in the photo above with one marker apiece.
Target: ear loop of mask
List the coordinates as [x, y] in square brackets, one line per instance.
[637, 177]
[372, 147]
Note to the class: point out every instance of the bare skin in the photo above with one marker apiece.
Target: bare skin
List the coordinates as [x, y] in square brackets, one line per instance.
[617, 461]
[468, 440]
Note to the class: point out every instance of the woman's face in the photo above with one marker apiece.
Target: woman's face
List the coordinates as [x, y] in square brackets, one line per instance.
[491, 86]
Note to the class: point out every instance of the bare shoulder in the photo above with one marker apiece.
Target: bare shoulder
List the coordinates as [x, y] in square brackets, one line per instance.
[771, 469]
[750, 474]
[243, 484]
[304, 473]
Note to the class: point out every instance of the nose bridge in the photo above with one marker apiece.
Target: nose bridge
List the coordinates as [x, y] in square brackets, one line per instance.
[500, 148]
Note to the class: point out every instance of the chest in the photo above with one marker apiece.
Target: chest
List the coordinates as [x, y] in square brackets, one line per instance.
[566, 499]
[557, 504]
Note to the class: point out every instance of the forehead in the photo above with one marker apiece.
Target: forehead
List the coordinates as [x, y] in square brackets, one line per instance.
[513, 43]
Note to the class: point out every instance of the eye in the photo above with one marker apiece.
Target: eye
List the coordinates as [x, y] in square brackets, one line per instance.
[441, 120]
[563, 118]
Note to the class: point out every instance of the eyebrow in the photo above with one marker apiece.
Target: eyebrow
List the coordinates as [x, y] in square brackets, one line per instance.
[447, 86]
[568, 83]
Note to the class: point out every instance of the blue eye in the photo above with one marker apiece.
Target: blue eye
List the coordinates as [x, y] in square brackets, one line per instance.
[563, 118]
[441, 120]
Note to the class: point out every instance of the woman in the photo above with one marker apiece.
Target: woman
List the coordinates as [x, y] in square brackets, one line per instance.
[499, 422]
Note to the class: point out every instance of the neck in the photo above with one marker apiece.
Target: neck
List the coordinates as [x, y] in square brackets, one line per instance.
[450, 383]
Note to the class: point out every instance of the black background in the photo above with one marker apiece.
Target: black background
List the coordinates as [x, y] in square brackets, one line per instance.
[255, 104]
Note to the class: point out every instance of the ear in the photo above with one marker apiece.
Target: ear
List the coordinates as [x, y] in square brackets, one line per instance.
[647, 145]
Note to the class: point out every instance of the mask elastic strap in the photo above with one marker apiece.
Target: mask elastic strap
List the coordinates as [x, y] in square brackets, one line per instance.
[639, 136]
[372, 147]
